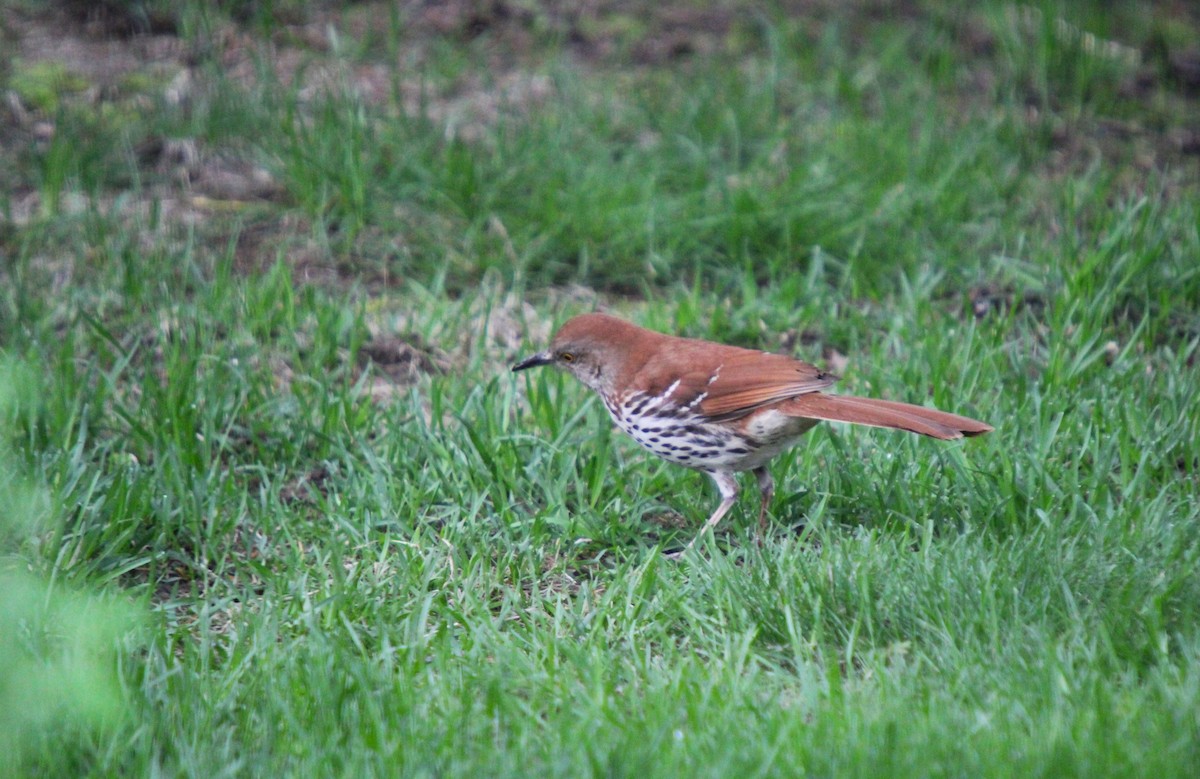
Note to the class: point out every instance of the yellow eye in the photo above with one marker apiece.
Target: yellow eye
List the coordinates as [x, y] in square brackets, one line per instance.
[567, 357]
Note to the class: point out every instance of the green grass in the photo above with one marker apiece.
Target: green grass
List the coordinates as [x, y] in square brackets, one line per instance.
[282, 429]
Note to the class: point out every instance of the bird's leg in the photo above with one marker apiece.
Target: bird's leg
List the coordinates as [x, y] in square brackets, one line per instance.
[766, 486]
[728, 486]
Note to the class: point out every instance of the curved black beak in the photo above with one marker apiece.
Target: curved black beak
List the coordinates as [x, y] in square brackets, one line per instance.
[541, 358]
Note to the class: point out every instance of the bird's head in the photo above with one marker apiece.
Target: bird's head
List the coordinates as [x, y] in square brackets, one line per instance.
[594, 348]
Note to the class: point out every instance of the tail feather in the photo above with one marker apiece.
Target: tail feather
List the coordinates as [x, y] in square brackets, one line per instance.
[883, 413]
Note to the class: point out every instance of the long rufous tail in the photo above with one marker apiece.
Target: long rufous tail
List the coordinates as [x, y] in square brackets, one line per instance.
[883, 413]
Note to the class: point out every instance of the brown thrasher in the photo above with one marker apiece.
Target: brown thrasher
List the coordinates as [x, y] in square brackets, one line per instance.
[715, 408]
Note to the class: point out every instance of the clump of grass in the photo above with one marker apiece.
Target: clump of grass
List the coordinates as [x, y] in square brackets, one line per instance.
[57, 644]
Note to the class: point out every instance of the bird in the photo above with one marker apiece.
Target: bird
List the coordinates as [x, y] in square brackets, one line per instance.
[719, 409]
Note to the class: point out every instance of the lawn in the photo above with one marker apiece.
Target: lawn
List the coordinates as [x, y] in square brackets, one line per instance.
[276, 506]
